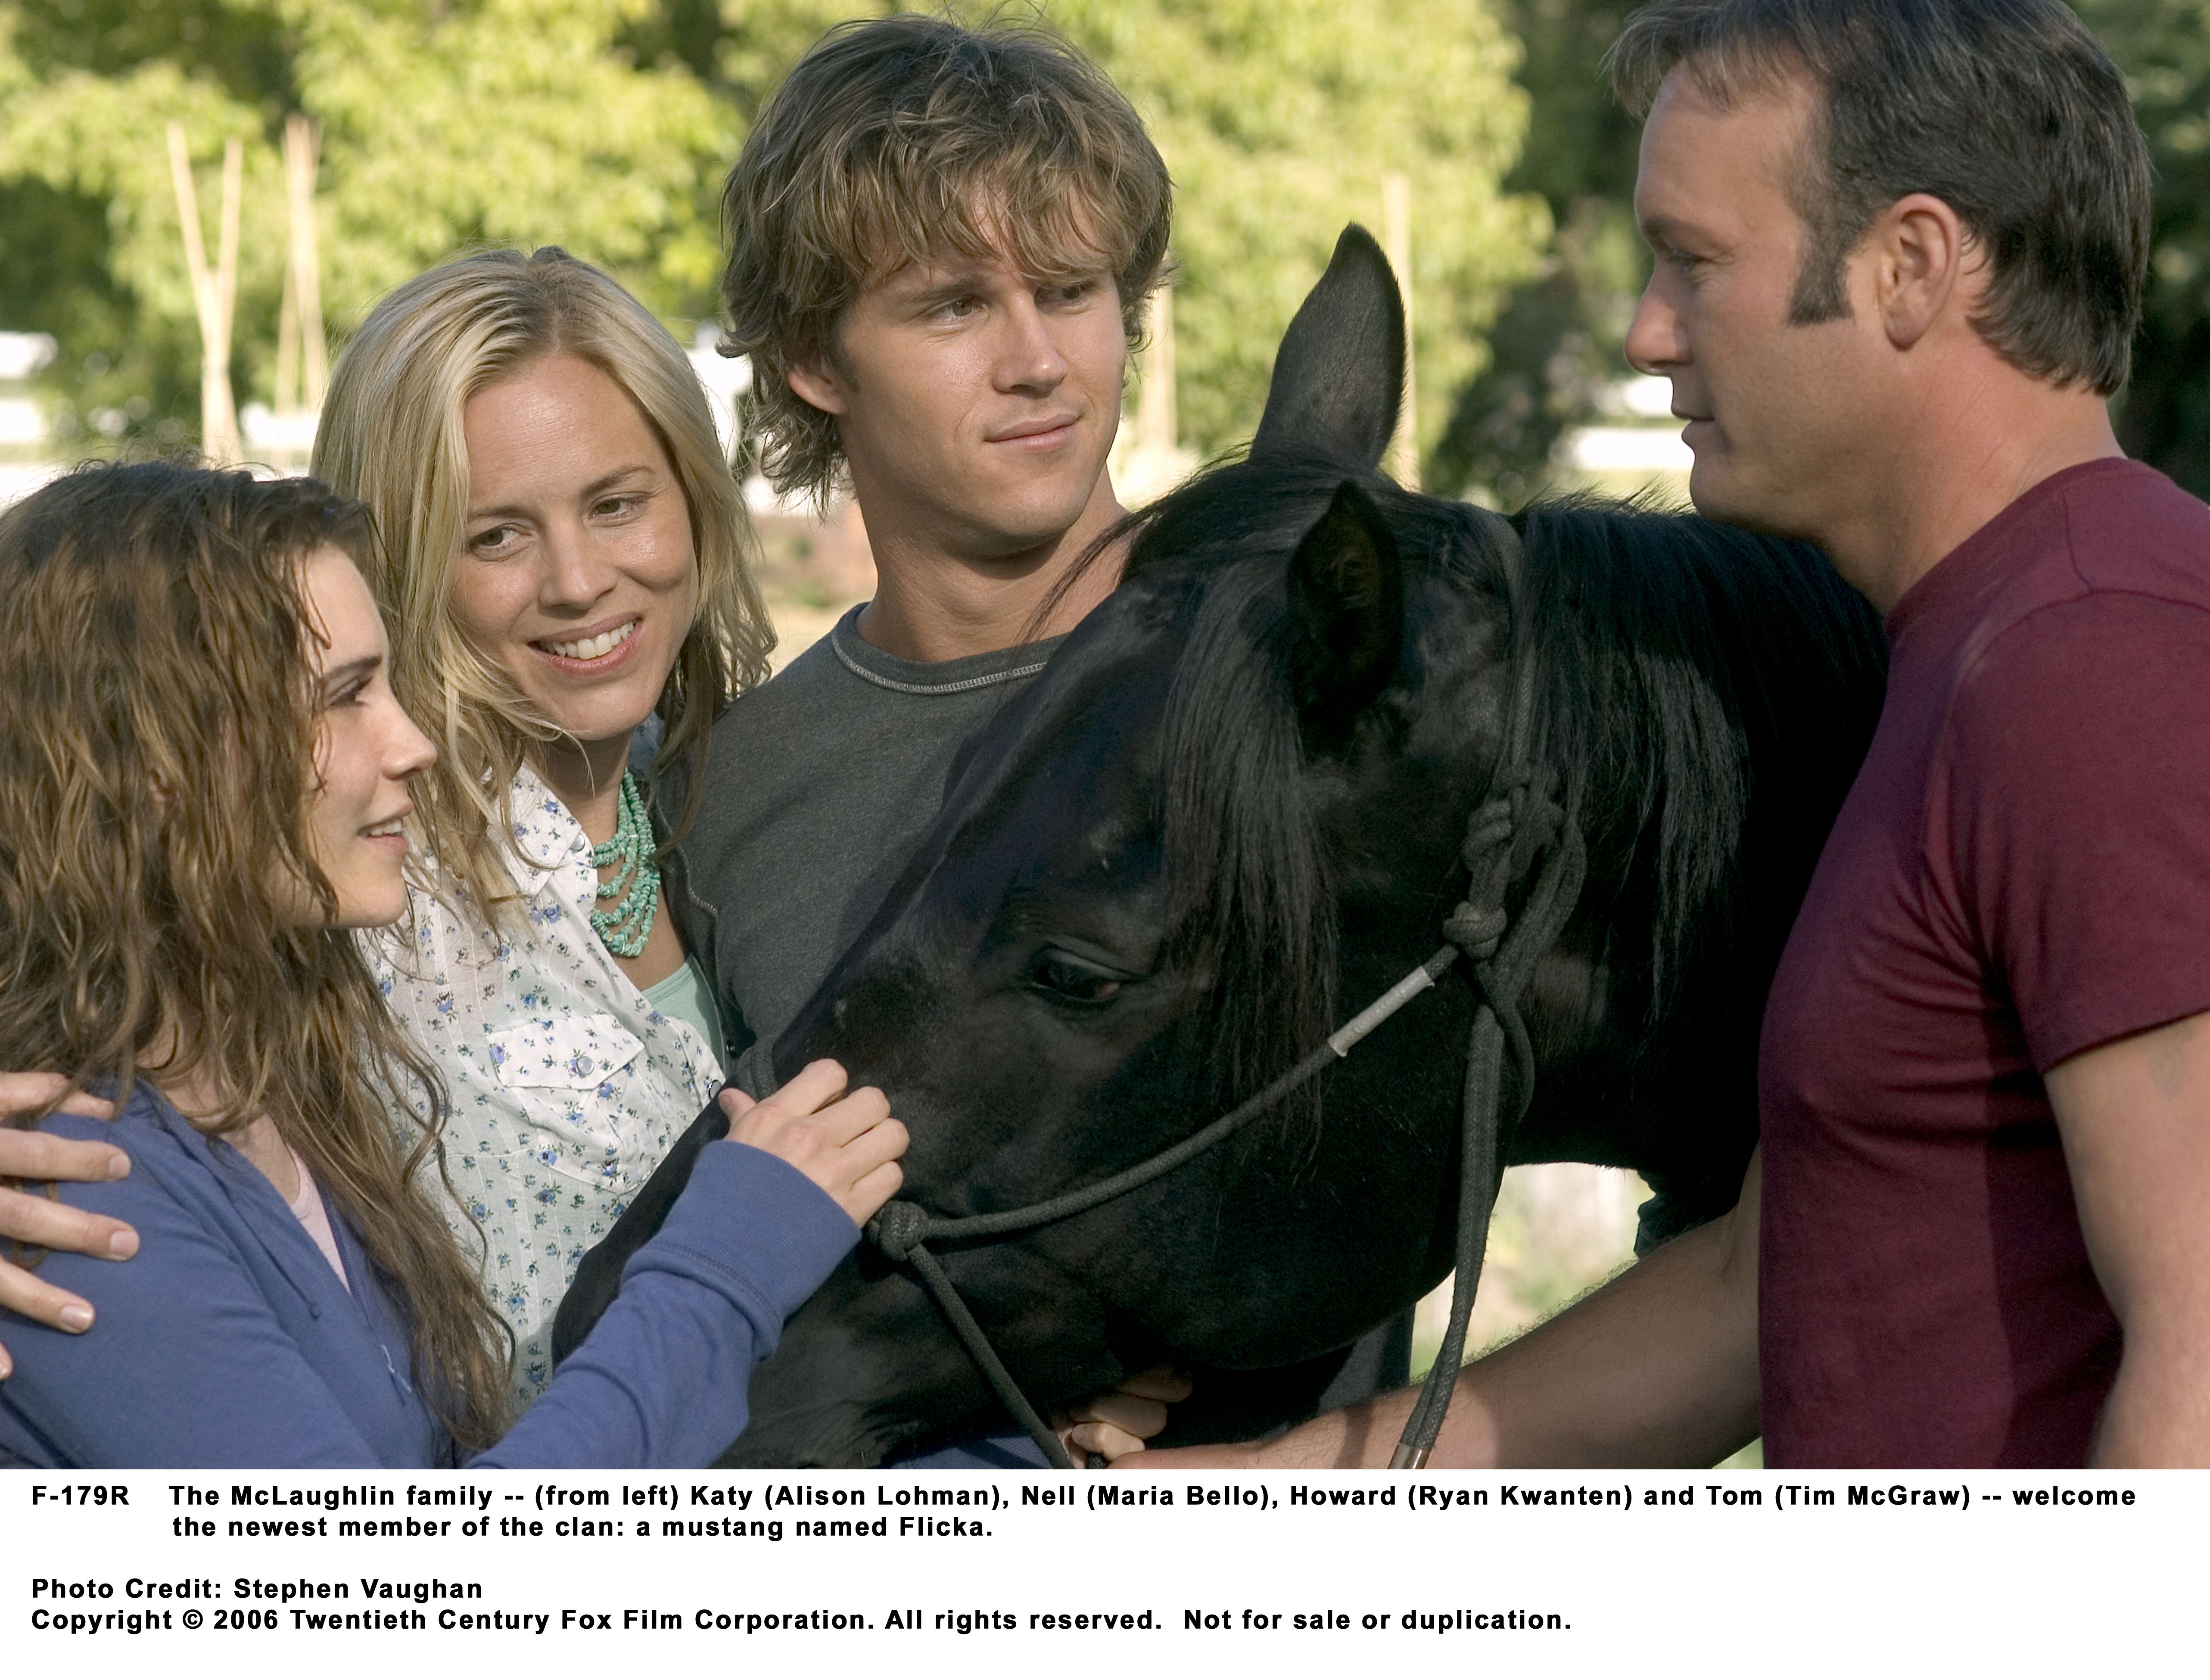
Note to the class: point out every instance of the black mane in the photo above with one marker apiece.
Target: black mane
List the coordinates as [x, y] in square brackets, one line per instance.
[1669, 650]
[1253, 901]
[1673, 653]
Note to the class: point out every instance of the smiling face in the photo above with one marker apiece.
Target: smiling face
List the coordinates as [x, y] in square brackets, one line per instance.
[366, 747]
[977, 404]
[577, 574]
[1778, 413]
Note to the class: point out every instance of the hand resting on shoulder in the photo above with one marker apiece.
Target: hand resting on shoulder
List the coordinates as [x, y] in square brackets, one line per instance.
[30, 1221]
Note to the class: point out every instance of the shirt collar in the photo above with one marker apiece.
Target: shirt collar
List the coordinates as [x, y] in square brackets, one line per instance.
[547, 837]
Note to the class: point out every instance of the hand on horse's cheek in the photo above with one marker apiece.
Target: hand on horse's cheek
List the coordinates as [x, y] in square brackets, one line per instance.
[849, 1145]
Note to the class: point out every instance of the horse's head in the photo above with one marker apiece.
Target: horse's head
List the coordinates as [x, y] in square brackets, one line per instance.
[1236, 791]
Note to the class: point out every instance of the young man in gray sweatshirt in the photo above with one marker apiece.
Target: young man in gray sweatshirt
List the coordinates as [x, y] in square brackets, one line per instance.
[942, 243]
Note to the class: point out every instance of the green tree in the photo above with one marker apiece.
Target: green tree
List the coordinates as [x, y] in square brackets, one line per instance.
[1560, 339]
[1278, 118]
[604, 125]
[2164, 48]
[500, 121]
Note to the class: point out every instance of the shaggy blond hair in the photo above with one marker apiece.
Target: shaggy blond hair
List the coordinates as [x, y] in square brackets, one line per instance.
[391, 434]
[896, 139]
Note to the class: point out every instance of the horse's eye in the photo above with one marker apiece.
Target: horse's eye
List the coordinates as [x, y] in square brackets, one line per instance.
[1073, 980]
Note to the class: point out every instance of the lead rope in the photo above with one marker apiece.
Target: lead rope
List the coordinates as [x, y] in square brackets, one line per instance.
[1519, 823]
[1502, 965]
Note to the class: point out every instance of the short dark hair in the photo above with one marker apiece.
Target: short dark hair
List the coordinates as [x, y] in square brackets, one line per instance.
[2007, 111]
[893, 136]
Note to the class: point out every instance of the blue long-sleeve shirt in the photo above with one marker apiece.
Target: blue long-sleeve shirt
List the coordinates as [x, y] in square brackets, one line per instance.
[230, 1342]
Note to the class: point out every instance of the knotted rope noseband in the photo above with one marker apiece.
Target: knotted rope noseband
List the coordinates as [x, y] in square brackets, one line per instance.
[1519, 826]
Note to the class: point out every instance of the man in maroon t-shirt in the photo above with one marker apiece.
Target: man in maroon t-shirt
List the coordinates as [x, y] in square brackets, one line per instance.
[1899, 252]
[2017, 886]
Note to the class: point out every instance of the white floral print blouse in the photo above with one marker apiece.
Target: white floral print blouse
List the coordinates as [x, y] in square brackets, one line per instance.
[564, 1086]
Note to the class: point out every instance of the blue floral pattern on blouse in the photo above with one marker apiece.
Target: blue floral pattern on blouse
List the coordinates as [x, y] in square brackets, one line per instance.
[564, 1087]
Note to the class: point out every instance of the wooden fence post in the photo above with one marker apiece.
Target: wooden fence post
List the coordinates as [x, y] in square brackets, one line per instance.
[215, 295]
[1156, 428]
[1397, 243]
[302, 143]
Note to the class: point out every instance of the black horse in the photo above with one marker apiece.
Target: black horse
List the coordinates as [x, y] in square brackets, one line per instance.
[1229, 811]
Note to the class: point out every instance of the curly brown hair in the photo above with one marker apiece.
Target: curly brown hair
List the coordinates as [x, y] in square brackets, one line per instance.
[158, 719]
[897, 138]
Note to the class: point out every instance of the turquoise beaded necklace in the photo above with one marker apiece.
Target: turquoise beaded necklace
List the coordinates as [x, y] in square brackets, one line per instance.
[627, 926]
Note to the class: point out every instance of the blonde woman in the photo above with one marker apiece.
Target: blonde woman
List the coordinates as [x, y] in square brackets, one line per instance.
[565, 559]
[203, 784]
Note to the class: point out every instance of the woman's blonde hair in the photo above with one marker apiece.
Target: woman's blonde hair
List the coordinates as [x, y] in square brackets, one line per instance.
[158, 711]
[391, 434]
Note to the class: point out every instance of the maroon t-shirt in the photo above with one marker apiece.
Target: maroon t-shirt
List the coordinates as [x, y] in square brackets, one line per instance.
[2020, 872]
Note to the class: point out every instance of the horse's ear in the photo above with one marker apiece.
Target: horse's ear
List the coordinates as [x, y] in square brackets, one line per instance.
[1347, 602]
[1339, 374]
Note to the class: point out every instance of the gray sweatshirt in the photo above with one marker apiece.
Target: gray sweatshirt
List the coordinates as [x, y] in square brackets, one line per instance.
[819, 784]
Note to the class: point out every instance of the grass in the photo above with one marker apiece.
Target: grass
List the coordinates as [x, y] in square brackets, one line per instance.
[1559, 1232]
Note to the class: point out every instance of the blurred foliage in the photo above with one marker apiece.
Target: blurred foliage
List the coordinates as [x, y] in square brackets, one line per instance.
[1559, 341]
[443, 126]
[2164, 47]
[1278, 119]
[604, 125]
